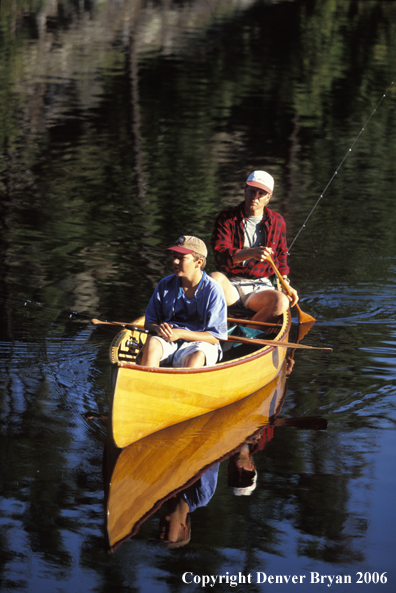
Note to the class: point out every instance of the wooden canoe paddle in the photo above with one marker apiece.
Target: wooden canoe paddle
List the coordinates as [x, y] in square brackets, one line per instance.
[304, 422]
[235, 339]
[259, 342]
[129, 326]
[238, 321]
[302, 317]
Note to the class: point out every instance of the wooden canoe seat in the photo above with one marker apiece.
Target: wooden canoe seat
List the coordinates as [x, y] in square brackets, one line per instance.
[235, 311]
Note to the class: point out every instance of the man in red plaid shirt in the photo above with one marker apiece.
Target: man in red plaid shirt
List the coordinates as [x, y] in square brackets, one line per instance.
[242, 239]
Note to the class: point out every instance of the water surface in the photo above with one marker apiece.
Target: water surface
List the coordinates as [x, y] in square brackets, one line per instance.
[122, 126]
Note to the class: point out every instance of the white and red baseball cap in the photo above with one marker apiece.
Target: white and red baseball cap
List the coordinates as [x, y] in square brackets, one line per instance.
[262, 180]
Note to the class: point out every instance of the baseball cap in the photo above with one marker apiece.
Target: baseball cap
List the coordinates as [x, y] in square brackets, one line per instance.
[262, 180]
[247, 490]
[189, 244]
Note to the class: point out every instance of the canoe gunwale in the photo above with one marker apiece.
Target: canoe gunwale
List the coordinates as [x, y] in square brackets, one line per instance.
[264, 351]
[141, 402]
[188, 371]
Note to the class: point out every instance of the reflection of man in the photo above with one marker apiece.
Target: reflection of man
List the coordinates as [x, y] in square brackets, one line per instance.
[175, 526]
[242, 239]
[242, 473]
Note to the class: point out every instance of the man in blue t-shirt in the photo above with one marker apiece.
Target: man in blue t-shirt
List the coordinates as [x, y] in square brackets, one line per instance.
[187, 313]
[175, 526]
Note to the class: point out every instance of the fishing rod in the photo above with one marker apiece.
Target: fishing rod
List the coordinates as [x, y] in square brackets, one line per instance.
[339, 166]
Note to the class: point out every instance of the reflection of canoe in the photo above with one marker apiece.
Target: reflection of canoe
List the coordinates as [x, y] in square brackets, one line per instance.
[151, 470]
[147, 399]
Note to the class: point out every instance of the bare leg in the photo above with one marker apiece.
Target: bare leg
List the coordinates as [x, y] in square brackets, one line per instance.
[152, 353]
[195, 360]
[175, 526]
[231, 294]
[269, 305]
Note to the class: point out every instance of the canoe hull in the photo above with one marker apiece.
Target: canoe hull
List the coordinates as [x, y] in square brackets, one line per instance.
[147, 400]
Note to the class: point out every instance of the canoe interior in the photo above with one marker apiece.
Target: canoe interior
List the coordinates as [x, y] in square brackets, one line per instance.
[147, 400]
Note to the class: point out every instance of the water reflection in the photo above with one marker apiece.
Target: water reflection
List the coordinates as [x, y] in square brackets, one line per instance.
[158, 467]
[178, 467]
[124, 124]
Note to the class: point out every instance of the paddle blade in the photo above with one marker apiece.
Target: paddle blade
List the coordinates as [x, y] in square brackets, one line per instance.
[303, 329]
[304, 317]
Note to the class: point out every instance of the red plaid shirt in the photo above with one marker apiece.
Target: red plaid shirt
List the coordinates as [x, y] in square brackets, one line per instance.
[228, 238]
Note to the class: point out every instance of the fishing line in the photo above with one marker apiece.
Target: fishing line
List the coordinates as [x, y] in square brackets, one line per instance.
[68, 312]
[339, 166]
[43, 306]
[28, 302]
[71, 313]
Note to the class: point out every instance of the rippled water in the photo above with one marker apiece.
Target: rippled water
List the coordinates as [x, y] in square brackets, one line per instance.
[123, 125]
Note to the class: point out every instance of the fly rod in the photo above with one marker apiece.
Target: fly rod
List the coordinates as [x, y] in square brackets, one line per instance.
[340, 165]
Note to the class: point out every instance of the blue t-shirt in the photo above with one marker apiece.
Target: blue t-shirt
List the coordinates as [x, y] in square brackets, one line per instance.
[200, 493]
[206, 312]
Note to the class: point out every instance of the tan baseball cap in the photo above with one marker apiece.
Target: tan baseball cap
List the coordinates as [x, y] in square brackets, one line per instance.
[189, 244]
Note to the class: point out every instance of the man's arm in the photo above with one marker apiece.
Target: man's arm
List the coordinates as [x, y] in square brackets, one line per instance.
[223, 240]
[258, 253]
[277, 240]
[292, 295]
[170, 334]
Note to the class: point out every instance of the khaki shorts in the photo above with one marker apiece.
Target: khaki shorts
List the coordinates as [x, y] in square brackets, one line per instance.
[175, 353]
[244, 288]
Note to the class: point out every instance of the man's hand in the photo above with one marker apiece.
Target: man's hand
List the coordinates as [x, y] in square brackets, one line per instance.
[167, 332]
[291, 294]
[260, 253]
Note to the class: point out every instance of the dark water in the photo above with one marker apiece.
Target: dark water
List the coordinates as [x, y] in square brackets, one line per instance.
[122, 126]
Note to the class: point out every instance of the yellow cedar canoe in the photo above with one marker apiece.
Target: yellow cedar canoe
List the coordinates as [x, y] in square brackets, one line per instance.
[147, 400]
[150, 471]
